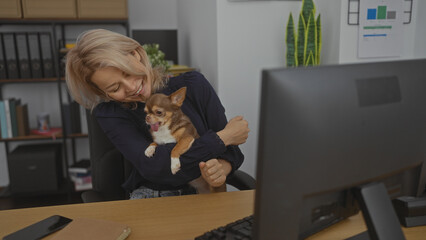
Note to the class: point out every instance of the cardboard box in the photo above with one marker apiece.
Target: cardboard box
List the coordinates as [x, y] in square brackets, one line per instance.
[10, 9]
[105, 9]
[62, 9]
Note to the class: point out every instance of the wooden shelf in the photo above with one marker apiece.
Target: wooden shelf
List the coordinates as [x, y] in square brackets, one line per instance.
[62, 21]
[42, 137]
[29, 80]
[78, 135]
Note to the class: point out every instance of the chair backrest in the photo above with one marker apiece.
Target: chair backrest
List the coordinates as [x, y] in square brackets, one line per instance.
[109, 168]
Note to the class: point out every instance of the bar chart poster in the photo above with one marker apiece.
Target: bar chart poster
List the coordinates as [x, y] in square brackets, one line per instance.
[380, 28]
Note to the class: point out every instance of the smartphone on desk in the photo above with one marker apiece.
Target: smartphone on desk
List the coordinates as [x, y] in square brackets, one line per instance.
[39, 229]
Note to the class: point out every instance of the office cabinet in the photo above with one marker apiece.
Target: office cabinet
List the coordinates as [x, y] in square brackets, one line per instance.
[49, 9]
[57, 37]
[10, 9]
[35, 168]
[91, 9]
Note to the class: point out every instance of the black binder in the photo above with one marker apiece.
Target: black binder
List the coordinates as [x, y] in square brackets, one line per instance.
[75, 117]
[3, 72]
[23, 56]
[10, 53]
[47, 55]
[35, 57]
[72, 117]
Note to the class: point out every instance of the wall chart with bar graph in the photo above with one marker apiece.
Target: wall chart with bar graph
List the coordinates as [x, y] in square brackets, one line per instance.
[380, 28]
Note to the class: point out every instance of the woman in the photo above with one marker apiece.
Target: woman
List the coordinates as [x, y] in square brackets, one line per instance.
[111, 74]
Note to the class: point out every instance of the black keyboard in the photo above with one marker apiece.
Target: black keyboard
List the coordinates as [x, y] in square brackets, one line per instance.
[240, 229]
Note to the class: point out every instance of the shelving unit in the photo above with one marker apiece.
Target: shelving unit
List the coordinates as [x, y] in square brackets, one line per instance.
[58, 34]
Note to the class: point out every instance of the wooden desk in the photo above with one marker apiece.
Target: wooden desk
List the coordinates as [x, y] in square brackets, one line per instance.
[175, 217]
[355, 224]
[168, 218]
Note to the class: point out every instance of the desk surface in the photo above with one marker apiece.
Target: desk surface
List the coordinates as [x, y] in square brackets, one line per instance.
[185, 217]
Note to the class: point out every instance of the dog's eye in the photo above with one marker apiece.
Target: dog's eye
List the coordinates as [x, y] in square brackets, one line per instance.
[158, 112]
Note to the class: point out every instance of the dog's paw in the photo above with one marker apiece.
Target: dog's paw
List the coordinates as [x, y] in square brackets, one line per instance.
[175, 165]
[149, 152]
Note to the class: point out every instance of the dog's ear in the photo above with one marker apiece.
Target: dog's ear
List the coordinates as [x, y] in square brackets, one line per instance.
[178, 97]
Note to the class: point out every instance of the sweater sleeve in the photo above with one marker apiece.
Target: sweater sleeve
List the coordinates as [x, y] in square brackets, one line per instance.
[132, 140]
[205, 96]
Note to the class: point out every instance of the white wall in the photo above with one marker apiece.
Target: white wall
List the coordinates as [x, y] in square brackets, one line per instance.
[251, 36]
[152, 14]
[420, 19]
[330, 30]
[197, 36]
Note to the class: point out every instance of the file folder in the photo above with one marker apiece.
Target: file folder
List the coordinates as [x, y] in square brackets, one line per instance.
[10, 53]
[47, 55]
[35, 57]
[3, 72]
[23, 57]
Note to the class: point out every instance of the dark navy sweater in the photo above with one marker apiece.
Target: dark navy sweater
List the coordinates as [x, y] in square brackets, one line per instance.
[130, 134]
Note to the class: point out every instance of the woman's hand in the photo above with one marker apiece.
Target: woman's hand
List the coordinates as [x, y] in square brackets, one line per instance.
[215, 171]
[235, 132]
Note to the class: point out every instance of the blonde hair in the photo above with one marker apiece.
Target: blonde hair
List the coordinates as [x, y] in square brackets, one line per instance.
[100, 48]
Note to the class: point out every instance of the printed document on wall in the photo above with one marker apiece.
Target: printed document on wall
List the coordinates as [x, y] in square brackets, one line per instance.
[380, 28]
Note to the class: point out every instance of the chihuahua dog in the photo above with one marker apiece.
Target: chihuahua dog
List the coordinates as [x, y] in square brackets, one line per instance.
[170, 125]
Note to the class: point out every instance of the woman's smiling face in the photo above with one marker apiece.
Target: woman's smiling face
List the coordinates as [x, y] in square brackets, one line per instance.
[120, 86]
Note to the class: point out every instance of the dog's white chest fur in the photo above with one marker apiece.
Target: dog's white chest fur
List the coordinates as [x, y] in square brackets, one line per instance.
[163, 135]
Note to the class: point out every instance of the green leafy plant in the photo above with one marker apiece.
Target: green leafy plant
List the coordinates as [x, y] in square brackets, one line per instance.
[156, 56]
[304, 46]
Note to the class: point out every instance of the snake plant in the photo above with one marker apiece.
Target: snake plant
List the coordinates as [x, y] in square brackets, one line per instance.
[304, 46]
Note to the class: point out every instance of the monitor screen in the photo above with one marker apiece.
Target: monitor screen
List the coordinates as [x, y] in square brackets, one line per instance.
[166, 39]
[327, 130]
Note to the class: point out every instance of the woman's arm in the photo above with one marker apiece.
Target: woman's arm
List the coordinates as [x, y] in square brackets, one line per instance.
[231, 133]
[132, 141]
[215, 171]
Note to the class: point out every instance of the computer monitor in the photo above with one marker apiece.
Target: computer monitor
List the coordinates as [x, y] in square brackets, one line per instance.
[166, 39]
[328, 131]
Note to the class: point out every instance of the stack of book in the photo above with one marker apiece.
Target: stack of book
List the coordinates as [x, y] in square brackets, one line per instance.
[13, 118]
[80, 174]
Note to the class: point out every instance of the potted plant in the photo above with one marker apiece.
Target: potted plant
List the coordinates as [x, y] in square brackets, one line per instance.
[156, 56]
[304, 45]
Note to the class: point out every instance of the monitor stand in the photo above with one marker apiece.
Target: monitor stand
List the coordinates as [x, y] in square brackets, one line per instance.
[379, 214]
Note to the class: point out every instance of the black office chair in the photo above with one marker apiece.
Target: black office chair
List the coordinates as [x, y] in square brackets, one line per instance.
[110, 169]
